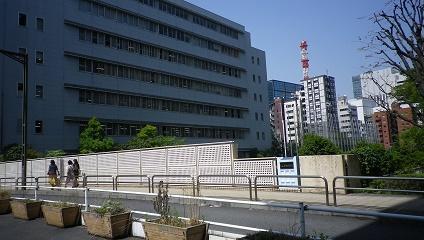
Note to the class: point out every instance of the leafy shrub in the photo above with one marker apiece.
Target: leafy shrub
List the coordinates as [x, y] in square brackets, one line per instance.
[374, 159]
[14, 152]
[110, 207]
[60, 204]
[317, 145]
[279, 236]
[4, 194]
[55, 153]
[400, 184]
[93, 139]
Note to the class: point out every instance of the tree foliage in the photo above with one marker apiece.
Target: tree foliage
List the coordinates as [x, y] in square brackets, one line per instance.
[399, 42]
[149, 137]
[374, 159]
[93, 139]
[14, 152]
[55, 153]
[317, 145]
[409, 152]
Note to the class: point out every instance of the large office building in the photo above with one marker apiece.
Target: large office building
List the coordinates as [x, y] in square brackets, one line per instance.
[377, 85]
[281, 89]
[187, 71]
[365, 109]
[319, 106]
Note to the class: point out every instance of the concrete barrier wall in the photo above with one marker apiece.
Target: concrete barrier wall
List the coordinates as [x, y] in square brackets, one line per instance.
[328, 166]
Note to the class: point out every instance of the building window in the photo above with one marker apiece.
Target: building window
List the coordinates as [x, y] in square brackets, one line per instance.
[253, 60]
[40, 24]
[39, 57]
[257, 60]
[22, 19]
[256, 116]
[22, 50]
[262, 116]
[255, 97]
[254, 78]
[259, 79]
[39, 91]
[20, 88]
[260, 97]
[38, 126]
[257, 135]
[263, 136]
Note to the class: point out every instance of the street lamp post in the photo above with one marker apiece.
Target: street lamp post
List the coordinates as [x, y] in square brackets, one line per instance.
[22, 58]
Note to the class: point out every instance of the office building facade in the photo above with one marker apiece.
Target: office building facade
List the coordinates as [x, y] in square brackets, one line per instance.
[189, 72]
[281, 89]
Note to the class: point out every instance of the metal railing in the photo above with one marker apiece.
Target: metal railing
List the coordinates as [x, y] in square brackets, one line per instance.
[86, 177]
[225, 184]
[175, 183]
[300, 207]
[373, 189]
[291, 186]
[131, 176]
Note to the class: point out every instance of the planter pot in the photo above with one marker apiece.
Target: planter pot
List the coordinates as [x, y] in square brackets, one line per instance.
[156, 231]
[4, 206]
[26, 210]
[61, 216]
[108, 226]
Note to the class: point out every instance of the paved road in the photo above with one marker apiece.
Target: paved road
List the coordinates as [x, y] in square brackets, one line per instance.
[337, 227]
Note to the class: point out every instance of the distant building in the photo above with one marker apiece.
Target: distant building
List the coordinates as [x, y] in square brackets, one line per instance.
[377, 85]
[319, 106]
[389, 127]
[364, 107]
[349, 124]
[281, 89]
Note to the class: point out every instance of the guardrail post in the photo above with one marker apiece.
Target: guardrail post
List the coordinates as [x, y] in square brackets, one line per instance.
[327, 201]
[256, 187]
[194, 186]
[148, 182]
[153, 183]
[334, 192]
[16, 183]
[113, 183]
[84, 180]
[36, 188]
[250, 188]
[198, 185]
[302, 219]
[86, 199]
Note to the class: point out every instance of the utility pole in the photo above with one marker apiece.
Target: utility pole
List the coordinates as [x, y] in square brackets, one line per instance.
[22, 58]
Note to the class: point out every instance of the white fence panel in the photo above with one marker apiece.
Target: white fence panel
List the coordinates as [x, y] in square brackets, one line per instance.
[12, 169]
[129, 163]
[88, 164]
[212, 155]
[215, 170]
[107, 165]
[2, 170]
[39, 168]
[252, 168]
[153, 162]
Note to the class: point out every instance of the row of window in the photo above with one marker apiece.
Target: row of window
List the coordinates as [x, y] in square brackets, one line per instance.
[39, 55]
[101, 97]
[195, 18]
[254, 78]
[39, 22]
[155, 78]
[119, 129]
[39, 90]
[255, 97]
[257, 136]
[257, 116]
[146, 24]
[107, 40]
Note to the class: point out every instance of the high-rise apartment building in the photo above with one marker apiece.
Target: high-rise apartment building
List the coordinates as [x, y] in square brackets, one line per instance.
[364, 107]
[319, 107]
[187, 71]
[377, 85]
[281, 89]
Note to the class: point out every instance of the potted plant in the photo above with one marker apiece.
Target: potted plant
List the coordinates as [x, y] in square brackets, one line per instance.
[4, 201]
[61, 214]
[26, 209]
[111, 220]
[170, 227]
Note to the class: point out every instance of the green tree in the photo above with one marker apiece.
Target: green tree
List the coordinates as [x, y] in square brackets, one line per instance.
[317, 145]
[373, 158]
[148, 137]
[14, 152]
[93, 139]
[55, 153]
[408, 154]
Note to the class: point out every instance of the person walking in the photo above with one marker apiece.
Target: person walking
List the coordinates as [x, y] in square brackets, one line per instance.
[53, 173]
[69, 174]
[77, 172]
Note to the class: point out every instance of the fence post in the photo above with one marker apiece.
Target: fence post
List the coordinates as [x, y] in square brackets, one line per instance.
[86, 199]
[334, 192]
[36, 188]
[256, 187]
[302, 219]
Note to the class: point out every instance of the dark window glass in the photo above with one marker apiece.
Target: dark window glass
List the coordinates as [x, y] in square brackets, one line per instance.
[20, 87]
[38, 126]
[39, 91]
[22, 19]
[40, 24]
[39, 57]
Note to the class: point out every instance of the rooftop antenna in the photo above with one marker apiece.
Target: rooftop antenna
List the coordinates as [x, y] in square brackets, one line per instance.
[304, 59]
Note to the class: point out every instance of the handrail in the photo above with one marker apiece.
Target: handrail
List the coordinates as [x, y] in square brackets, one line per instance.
[129, 176]
[223, 175]
[373, 189]
[327, 202]
[85, 177]
[7, 178]
[173, 176]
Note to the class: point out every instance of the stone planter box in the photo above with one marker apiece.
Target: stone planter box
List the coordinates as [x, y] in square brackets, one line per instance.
[61, 216]
[4, 206]
[108, 226]
[156, 231]
[26, 210]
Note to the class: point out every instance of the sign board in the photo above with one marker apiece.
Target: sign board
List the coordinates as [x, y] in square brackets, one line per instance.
[287, 166]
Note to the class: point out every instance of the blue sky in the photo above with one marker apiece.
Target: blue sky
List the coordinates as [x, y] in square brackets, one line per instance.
[331, 27]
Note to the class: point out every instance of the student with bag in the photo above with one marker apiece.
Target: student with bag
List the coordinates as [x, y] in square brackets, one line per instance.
[77, 172]
[53, 173]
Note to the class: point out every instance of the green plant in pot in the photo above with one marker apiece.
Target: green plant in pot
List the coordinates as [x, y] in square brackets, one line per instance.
[61, 214]
[111, 220]
[171, 227]
[4, 201]
[26, 208]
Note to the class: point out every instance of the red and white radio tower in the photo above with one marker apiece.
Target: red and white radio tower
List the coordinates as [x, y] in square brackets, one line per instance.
[304, 59]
